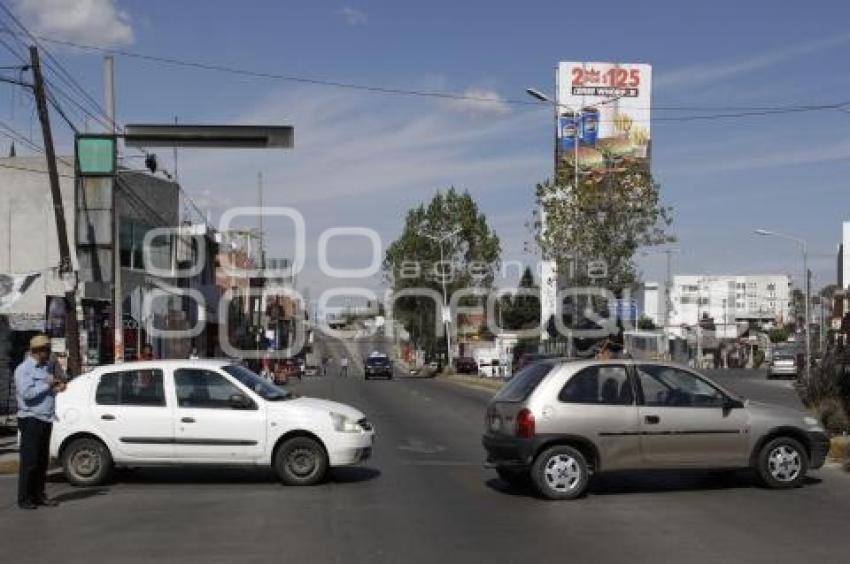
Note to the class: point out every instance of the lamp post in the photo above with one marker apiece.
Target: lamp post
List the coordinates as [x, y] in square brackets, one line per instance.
[803, 247]
[439, 240]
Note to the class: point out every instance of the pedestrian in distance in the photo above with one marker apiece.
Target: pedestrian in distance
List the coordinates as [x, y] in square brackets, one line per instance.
[146, 352]
[36, 389]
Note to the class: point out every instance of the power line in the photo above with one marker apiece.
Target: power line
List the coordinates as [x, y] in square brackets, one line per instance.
[733, 111]
[50, 61]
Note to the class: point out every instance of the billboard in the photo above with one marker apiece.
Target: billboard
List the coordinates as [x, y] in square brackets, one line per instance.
[603, 117]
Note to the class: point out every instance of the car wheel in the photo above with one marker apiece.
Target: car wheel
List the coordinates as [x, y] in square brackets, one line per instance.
[514, 477]
[782, 463]
[87, 462]
[301, 461]
[560, 472]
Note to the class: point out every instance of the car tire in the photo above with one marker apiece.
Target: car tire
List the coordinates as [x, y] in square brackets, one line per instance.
[514, 477]
[782, 463]
[87, 462]
[560, 473]
[301, 461]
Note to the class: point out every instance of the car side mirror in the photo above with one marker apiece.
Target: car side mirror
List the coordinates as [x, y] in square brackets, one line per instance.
[239, 401]
[731, 403]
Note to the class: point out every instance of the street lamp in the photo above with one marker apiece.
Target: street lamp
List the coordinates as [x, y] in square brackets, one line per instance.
[541, 97]
[802, 243]
[444, 313]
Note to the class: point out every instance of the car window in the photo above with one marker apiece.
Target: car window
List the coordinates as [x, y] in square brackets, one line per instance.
[524, 382]
[602, 385]
[131, 387]
[203, 389]
[672, 387]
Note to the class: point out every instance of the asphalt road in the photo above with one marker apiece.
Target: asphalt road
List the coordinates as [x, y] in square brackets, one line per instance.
[425, 497]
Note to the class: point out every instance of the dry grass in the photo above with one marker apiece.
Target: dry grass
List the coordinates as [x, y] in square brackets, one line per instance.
[9, 466]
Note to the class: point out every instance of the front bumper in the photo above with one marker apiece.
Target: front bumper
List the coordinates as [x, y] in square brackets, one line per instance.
[351, 448]
[819, 443]
[504, 450]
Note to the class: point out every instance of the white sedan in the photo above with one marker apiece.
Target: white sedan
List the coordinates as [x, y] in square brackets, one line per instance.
[211, 412]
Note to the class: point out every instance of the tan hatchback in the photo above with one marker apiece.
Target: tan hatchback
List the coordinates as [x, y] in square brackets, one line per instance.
[558, 422]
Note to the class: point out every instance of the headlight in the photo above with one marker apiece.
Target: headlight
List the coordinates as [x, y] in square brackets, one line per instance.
[343, 424]
[811, 421]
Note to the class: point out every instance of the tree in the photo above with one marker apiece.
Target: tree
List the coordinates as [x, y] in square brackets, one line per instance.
[778, 335]
[646, 324]
[470, 248]
[607, 217]
[522, 311]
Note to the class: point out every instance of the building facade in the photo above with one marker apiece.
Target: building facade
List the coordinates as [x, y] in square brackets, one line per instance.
[730, 300]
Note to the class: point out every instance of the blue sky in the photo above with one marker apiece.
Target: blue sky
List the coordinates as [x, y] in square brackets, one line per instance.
[362, 159]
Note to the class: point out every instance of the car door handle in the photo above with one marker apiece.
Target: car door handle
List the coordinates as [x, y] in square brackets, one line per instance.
[652, 419]
[187, 420]
[107, 417]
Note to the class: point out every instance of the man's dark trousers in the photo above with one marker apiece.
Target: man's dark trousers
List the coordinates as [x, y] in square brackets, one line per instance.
[34, 458]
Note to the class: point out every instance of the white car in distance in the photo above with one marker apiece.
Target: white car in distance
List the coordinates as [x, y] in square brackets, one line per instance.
[200, 412]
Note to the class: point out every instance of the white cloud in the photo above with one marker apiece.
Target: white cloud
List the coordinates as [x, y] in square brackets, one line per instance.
[351, 16]
[712, 72]
[480, 101]
[92, 22]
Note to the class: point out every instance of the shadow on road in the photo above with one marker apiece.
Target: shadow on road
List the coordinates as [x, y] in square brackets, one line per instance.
[80, 494]
[650, 482]
[224, 476]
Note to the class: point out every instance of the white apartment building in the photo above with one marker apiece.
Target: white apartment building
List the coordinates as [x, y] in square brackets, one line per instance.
[730, 300]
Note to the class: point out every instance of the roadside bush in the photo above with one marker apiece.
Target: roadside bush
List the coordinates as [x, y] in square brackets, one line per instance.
[827, 391]
[758, 358]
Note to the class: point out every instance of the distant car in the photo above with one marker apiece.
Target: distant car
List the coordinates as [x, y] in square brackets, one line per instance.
[378, 366]
[558, 422]
[784, 363]
[466, 365]
[200, 412]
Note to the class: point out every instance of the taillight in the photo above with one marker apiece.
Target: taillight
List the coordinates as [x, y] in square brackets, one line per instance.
[525, 424]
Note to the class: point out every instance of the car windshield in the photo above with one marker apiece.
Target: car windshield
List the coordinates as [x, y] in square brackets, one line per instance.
[258, 385]
[524, 382]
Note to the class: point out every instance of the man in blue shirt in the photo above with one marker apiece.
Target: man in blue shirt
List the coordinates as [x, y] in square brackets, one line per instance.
[36, 389]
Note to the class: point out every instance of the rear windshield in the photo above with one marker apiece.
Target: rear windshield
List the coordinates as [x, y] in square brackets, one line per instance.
[524, 382]
[378, 360]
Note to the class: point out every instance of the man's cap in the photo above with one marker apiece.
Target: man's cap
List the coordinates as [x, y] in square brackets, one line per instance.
[39, 342]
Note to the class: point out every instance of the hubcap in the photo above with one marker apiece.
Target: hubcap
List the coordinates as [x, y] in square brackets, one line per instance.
[562, 472]
[302, 462]
[85, 462]
[784, 463]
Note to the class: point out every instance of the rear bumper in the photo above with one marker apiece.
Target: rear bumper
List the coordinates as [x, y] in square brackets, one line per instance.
[819, 449]
[508, 451]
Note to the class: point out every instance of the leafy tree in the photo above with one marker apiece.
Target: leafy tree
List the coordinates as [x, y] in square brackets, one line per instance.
[607, 217]
[470, 255]
[646, 323]
[778, 335]
[521, 311]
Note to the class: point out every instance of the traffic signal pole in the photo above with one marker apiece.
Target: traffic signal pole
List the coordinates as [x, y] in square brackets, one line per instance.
[66, 269]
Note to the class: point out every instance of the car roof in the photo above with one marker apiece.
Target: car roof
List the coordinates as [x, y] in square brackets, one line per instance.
[170, 364]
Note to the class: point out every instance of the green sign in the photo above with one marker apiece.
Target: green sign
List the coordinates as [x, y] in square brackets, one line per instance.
[96, 155]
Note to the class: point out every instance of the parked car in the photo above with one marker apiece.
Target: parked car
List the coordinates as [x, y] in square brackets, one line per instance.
[378, 366]
[200, 412]
[557, 423]
[466, 365]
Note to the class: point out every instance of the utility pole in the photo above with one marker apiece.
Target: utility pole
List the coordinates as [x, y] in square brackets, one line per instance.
[117, 292]
[66, 269]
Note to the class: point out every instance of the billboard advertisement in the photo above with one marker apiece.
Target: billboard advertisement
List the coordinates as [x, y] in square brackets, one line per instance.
[603, 116]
